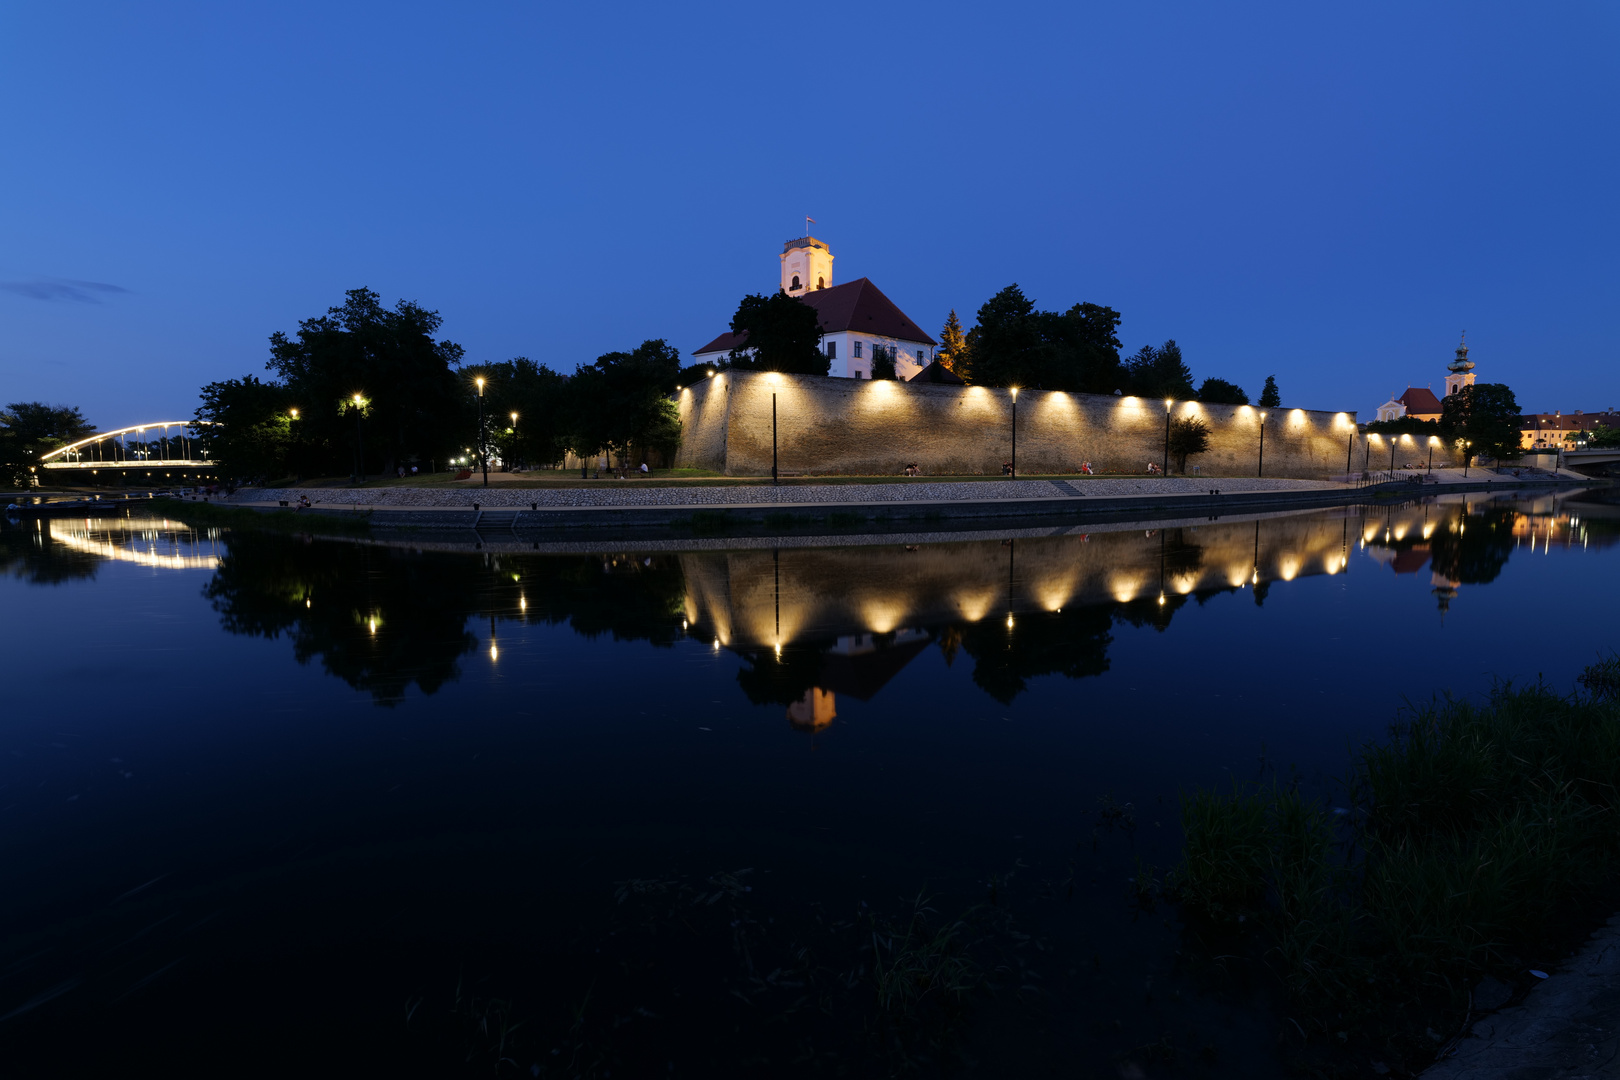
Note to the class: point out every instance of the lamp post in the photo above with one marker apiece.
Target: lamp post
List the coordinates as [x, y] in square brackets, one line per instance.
[1431, 453]
[483, 453]
[514, 443]
[359, 440]
[1393, 439]
[1164, 469]
[1012, 473]
[1466, 455]
[774, 478]
[1349, 449]
[1260, 467]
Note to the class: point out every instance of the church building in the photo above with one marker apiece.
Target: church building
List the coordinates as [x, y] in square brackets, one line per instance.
[856, 319]
[1419, 402]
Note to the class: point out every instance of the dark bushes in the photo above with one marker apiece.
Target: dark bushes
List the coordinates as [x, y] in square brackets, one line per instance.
[1476, 827]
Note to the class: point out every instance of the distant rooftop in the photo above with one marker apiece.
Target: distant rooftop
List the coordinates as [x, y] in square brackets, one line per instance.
[804, 242]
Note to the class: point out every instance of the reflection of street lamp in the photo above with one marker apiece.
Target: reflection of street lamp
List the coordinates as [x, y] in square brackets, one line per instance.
[483, 453]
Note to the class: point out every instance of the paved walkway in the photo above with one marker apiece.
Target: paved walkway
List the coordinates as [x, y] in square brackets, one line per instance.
[632, 493]
[1567, 1029]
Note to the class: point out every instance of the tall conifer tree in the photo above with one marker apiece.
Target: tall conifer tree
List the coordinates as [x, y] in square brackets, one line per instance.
[953, 347]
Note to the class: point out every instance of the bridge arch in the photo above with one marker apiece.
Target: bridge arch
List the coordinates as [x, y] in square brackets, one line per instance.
[160, 444]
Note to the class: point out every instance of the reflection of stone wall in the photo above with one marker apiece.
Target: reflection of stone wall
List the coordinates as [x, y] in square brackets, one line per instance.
[854, 426]
[754, 599]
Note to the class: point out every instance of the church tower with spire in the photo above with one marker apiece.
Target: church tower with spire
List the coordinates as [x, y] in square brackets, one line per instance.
[1461, 368]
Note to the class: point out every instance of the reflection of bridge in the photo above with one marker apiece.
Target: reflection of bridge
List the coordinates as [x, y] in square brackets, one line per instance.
[166, 545]
[135, 447]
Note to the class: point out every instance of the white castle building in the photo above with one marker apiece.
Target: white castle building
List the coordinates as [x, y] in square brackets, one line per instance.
[855, 318]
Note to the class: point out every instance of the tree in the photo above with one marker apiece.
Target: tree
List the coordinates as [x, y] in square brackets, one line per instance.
[247, 427]
[883, 362]
[537, 394]
[1220, 392]
[1013, 344]
[1188, 436]
[391, 357]
[31, 428]
[1404, 425]
[779, 333]
[1484, 417]
[622, 401]
[1603, 437]
[1269, 397]
[1159, 373]
[953, 348]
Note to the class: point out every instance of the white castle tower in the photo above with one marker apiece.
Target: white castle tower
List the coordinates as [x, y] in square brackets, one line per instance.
[1461, 368]
[806, 266]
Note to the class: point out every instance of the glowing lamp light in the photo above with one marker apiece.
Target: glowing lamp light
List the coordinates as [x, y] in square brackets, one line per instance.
[294, 413]
[1161, 599]
[1009, 621]
[1014, 390]
[494, 653]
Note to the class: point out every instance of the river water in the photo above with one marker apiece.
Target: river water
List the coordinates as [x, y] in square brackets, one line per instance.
[845, 805]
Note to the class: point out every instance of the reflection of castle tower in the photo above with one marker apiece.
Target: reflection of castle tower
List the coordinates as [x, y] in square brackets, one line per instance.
[814, 711]
[1461, 368]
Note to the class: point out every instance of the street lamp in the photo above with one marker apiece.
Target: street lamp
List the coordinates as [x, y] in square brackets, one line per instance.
[483, 454]
[514, 442]
[1013, 465]
[1393, 439]
[1260, 467]
[1164, 469]
[359, 440]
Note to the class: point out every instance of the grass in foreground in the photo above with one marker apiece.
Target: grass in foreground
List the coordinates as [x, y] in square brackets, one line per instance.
[1479, 832]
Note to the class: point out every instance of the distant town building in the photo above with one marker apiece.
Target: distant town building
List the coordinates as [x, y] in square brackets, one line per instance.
[856, 319]
[1560, 430]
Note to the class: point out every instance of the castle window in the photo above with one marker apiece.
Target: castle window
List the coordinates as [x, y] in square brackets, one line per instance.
[832, 350]
[795, 284]
[857, 350]
[821, 282]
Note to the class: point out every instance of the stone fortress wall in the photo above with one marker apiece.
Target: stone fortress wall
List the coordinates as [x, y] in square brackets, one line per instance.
[829, 426]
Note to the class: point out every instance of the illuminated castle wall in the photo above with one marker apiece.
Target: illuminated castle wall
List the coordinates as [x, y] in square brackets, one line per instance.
[830, 426]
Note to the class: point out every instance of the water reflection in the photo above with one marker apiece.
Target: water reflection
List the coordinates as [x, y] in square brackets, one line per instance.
[50, 551]
[812, 623]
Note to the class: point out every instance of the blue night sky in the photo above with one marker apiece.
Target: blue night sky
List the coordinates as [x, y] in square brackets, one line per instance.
[1325, 193]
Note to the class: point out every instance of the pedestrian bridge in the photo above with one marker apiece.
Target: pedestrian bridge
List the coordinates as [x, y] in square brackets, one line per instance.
[162, 444]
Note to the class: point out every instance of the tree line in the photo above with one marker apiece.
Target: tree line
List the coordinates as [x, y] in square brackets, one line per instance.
[365, 389]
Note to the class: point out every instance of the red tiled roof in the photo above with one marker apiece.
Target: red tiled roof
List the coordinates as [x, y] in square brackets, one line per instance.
[857, 306]
[1420, 401]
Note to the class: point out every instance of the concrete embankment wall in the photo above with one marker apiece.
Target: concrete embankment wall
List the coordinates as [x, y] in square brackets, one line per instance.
[859, 427]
